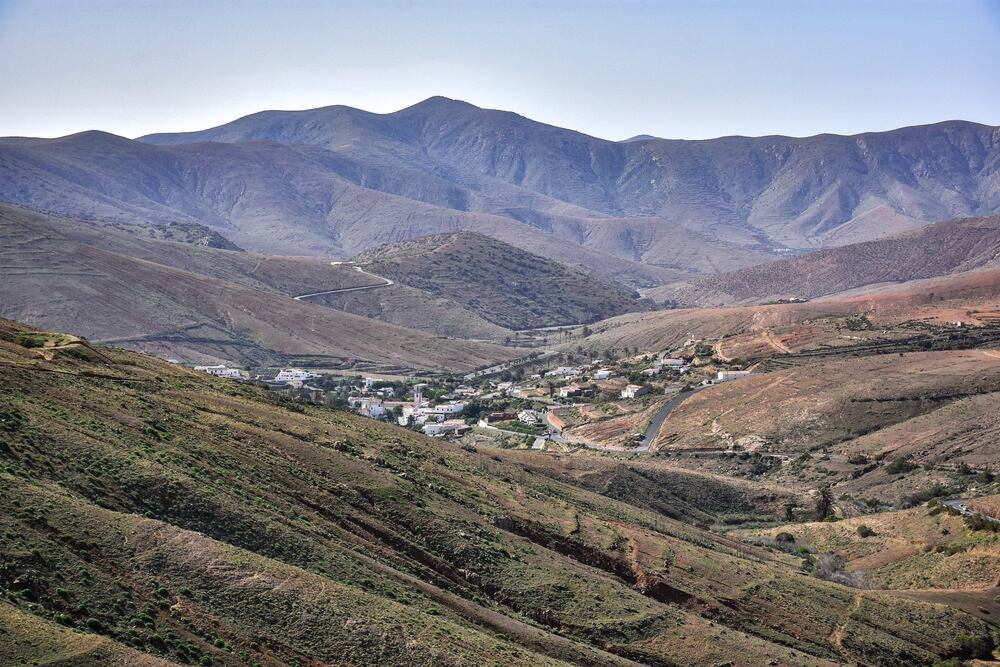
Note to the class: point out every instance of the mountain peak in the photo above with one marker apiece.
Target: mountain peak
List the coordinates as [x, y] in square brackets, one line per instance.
[439, 103]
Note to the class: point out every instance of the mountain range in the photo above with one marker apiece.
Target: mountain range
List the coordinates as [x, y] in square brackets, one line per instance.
[337, 181]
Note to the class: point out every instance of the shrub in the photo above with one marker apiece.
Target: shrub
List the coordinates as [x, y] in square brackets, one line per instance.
[974, 648]
[979, 522]
[900, 466]
[785, 537]
[865, 531]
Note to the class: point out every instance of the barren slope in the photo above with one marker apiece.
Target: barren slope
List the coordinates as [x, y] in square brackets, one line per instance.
[505, 285]
[62, 276]
[939, 249]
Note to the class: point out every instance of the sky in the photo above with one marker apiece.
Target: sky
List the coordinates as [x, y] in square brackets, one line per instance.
[686, 70]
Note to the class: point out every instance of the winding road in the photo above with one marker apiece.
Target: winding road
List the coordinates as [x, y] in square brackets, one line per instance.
[661, 416]
[386, 283]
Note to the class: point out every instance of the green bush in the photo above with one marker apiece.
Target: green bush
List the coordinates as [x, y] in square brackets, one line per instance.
[900, 466]
[865, 531]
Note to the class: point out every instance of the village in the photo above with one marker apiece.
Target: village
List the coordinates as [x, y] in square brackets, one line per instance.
[558, 401]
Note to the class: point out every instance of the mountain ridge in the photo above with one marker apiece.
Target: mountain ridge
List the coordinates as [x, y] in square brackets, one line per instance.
[314, 181]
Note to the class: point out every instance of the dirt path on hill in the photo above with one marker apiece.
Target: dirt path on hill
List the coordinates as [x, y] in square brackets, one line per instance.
[776, 343]
[837, 636]
[386, 283]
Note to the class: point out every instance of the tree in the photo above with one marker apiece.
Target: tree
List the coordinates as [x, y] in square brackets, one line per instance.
[824, 502]
[865, 531]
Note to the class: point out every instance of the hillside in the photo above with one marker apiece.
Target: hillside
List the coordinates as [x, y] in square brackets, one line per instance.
[200, 304]
[152, 509]
[919, 548]
[503, 284]
[935, 250]
[873, 405]
[645, 212]
[972, 297]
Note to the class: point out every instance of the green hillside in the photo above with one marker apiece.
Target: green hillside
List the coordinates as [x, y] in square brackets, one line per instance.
[151, 511]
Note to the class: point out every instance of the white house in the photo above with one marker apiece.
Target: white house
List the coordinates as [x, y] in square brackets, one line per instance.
[562, 371]
[221, 371]
[449, 408]
[603, 374]
[725, 376]
[456, 426]
[569, 390]
[289, 374]
[634, 390]
[375, 410]
[528, 417]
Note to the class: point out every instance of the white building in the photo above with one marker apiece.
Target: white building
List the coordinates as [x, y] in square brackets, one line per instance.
[449, 408]
[603, 374]
[289, 374]
[634, 390]
[375, 410]
[418, 394]
[562, 371]
[528, 417]
[221, 371]
[569, 390]
[449, 426]
[725, 376]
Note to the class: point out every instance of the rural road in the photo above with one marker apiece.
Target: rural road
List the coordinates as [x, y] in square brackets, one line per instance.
[960, 505]
[651, 431]
[386, 283]
[661, 416]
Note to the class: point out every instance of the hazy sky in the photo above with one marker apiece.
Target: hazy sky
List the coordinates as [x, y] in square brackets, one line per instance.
[612, 69]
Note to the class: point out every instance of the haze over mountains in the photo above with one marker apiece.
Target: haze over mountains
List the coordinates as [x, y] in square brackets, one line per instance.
[338, 181]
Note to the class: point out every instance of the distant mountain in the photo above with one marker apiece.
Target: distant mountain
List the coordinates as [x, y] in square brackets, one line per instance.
[503, 284]
[201, 304]
[265, 197]
[939, 249]
[802, 192]
[338, 181]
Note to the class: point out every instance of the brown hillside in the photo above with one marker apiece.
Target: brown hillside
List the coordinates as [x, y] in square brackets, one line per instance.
[59, 277]
[936, 250]
[503, 284]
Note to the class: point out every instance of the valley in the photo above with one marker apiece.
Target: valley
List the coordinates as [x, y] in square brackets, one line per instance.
[450, 386]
